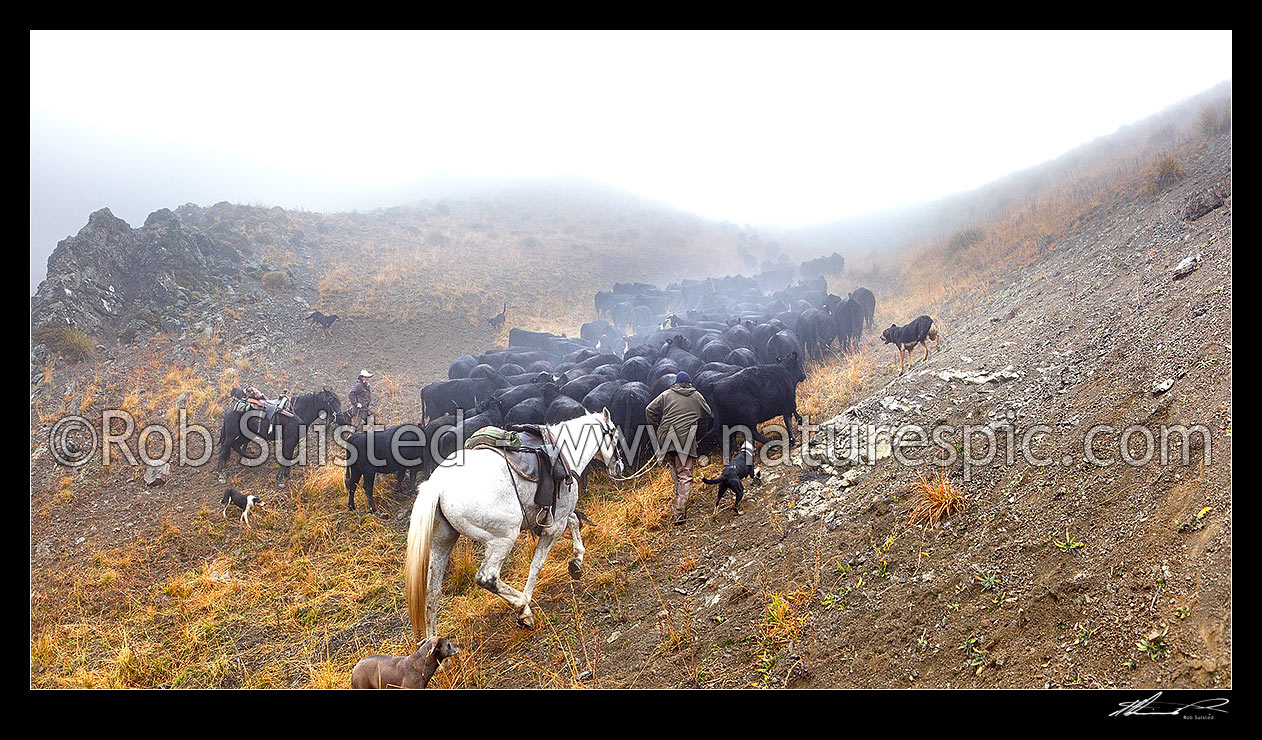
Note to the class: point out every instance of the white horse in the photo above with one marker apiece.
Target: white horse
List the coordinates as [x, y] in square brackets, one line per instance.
[485, 500]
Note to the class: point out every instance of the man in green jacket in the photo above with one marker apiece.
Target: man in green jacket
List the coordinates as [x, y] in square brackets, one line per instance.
[676, 414]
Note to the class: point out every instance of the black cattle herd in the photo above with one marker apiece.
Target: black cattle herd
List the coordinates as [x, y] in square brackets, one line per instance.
[743, 348]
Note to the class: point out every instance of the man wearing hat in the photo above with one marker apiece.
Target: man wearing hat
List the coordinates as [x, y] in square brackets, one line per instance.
[360, 396]
[676, 414]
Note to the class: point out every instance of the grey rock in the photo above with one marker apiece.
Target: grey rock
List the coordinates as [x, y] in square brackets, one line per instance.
[1187, 266]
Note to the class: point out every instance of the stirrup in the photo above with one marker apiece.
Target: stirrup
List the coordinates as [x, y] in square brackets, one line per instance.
[539, 516]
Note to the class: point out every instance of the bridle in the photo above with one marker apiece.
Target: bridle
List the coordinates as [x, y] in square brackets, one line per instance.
[612, 431]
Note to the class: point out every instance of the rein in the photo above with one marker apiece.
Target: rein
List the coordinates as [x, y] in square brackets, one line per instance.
[644, 469]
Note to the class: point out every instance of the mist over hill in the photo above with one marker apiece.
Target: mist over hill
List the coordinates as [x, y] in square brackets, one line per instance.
[1089, 167]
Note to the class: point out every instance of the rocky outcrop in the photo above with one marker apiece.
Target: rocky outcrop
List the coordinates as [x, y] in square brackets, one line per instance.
[112, 281]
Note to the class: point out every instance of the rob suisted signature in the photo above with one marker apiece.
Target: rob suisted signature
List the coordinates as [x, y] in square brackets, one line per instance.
[1151, 706]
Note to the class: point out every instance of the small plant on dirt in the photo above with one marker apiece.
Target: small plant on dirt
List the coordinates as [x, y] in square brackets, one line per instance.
[1154, 644]
[988, 581]
[674, 638]
[938, 499]
[976, 656]
[1069, 543]
[922, 642]
[1196, 522]
[1084, 634]
[1183, 612]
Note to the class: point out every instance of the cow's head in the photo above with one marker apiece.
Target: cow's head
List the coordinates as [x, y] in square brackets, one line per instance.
[793, 364]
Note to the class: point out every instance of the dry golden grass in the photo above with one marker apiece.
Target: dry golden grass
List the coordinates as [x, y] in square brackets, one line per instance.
[937, 499]
[830, 388]
[298, 599]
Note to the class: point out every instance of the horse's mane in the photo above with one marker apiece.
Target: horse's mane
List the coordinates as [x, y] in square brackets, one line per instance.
[307, 406]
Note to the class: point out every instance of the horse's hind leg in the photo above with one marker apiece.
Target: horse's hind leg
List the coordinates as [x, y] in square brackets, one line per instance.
[576, 562]
[488, 577]
[444, 539]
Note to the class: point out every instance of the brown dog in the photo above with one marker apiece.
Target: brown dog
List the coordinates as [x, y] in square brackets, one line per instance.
[406, 672]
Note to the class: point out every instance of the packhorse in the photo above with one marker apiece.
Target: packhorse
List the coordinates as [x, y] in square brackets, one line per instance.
[287, 427]
[487, 500]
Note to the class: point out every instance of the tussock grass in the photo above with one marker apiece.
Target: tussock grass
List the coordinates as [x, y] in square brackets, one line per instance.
[937, 499]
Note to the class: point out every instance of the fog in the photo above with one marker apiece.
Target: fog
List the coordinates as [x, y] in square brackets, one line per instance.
[772, 129]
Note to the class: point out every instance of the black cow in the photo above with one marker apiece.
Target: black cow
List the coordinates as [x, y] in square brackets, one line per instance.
[533, 410]
[461, 367]
[636, 369]
[820, 330]
[867, 300]
[515, 394]
[605, 301]
[398, 449]
[626, 408]
[563, 408]
[592, 331]
[756, 394]
[578, 388]
[602, 395]
[783, 344]
[741, 356]
[849, 324]
[524, 338]
[445, 396]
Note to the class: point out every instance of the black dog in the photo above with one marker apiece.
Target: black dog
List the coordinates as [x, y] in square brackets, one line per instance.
[234, 497]
[322, 320]
[907, 337]
[497, 320]
[742, 466]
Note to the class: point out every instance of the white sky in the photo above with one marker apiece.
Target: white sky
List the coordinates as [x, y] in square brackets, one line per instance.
[767, 128]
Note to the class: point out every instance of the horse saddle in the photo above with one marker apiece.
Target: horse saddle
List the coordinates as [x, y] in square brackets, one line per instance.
[273, 407]
[536, 459]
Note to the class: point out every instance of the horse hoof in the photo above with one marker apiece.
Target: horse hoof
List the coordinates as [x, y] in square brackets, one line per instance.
[576, 570]
[526, 622]
[222, 478]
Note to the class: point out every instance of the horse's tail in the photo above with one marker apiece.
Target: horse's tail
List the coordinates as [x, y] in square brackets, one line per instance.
[416, 568]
